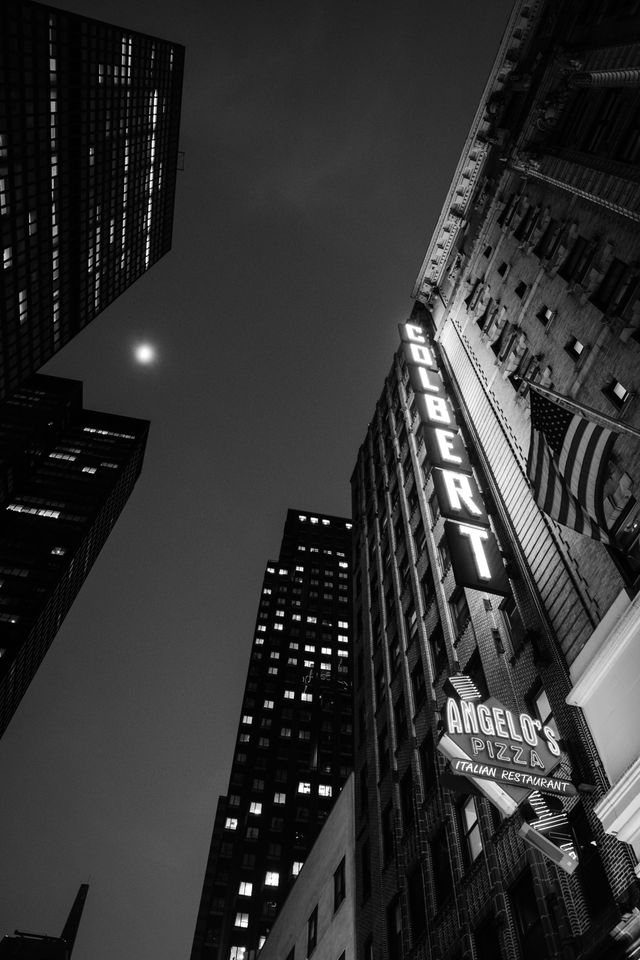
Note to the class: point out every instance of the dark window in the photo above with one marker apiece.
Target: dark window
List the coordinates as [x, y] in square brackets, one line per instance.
[513, 623]
[339, 885]
[406, 799]
[470, 830]
[521, 289]
[383, 751]
[575, 349]
[427, 761]
[445, 556]
[487, 941]
[365, 865]
[292, 953]
[434, 507]
[438, 649]
[460, 610]
[400, 714]
[368, 949]
[417, 909]
[527, 918]
[419, 685]
[441, 867]
[387, 833]
[312, 931]
[475, 670]
[364, 792]
[394, 929]
[503, 268]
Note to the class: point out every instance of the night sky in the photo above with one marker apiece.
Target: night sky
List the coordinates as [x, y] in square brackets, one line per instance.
[320, 137]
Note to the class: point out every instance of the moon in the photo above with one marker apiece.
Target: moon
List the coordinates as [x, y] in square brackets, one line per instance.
[144, 353]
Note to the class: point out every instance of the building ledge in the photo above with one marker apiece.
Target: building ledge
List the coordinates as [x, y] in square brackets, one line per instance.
[619, 809]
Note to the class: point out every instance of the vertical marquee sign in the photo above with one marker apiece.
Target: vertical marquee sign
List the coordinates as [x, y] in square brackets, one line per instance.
[475, 557]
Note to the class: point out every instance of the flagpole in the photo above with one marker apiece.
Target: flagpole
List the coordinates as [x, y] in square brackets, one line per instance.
[581, 408]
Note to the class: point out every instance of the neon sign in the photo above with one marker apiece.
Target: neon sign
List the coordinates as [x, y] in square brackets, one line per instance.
[474, 552]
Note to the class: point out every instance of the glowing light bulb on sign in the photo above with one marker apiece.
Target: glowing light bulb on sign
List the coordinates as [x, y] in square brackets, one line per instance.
[475, 557]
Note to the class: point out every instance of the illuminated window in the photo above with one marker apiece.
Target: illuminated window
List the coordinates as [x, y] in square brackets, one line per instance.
[296, 616]
[293, 646]
[237, 953]
[304, 787]
[309, 648]
[231, 823]
[244, 738]
[472, 840]
[267, 590]
[247, 719]
[343, 564]
[272, 879]
[259, 641]
[289, 695]
[274, 655]
[343, 653]
[278, 626]
[283, 572]
[279, 798]
[301, 516]
[261, 941]
[255, 807]
[261, 628]
[268, 705]
[271, 570]
[307, 697]
[285, 732]
[297, 867]
[304, 734]
[7, 258]
[343, 624]
[242, 920]
[324, 790]
[308, 663]
[279, 613]
[312, 619]
[325, 666]
[326, 651]
[245, 889]
[273, 671]
[314, 519]
[617, 393]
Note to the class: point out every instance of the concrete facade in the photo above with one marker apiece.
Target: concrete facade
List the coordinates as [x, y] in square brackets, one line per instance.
[315, 888]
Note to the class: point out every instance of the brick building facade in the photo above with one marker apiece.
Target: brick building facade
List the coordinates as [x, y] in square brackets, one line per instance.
[531, 271]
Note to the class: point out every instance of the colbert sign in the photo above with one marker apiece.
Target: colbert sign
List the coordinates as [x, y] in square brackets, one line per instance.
[473, 549]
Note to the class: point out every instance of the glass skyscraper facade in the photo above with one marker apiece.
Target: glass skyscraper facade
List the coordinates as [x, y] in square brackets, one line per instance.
[89, 120]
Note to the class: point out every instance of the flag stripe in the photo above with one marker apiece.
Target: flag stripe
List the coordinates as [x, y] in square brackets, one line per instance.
[567, 465]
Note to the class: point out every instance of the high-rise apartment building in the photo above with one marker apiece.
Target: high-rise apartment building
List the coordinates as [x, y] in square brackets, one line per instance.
[294, 745]
[89, 119]
[65, 476]
[497, 738]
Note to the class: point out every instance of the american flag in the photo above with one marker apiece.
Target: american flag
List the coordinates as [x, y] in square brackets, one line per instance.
[567, 466]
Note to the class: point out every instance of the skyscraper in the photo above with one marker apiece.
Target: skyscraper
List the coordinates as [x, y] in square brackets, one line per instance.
[497, 768]
[294, 743]
[476, 783]
[65, 476]
[89, 119]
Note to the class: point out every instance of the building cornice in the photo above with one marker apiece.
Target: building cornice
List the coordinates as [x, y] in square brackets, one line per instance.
[455, 211]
